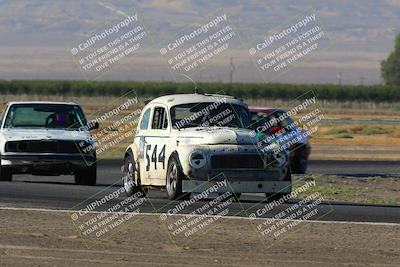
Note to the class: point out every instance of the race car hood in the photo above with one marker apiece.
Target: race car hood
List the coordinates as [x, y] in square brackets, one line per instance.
[217, 135]
[43, 134]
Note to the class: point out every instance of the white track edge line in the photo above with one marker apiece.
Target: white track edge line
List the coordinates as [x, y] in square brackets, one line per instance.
[192, 215]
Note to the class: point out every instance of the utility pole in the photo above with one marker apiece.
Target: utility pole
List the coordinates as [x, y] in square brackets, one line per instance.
[339, 77]
[232, 69]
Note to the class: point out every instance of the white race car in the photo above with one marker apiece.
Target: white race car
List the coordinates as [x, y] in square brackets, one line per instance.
[190, 142]
[46, 138]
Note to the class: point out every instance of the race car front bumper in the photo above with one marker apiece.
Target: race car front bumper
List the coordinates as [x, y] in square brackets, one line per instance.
[238, 186]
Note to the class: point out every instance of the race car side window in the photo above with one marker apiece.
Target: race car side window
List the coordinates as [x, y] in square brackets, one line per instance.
[144, 124]
[160, 120]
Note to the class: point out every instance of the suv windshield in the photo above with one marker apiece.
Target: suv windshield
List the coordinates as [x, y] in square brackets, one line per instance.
[55, 116]
[275, 119]
[209, 114]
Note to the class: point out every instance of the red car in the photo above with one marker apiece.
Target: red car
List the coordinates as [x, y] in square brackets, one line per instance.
[268, 122]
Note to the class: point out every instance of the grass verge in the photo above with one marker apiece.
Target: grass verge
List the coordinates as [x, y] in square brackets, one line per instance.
[365, 190]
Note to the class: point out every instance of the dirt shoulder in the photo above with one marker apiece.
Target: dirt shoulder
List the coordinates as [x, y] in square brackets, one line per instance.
[37, 238]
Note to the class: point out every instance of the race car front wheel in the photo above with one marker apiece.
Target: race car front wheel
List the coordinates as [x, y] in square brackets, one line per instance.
[174, 181]
[86, 176]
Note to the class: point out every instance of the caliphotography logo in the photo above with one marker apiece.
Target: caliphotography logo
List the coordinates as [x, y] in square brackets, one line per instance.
[110, 45]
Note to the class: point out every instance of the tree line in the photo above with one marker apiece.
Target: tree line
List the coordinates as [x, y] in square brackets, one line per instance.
[375, 93]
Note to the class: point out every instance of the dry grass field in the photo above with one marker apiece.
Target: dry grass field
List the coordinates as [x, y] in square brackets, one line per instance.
[351, 130]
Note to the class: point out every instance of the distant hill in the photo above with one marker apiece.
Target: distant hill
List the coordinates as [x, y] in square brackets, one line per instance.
[39, 33]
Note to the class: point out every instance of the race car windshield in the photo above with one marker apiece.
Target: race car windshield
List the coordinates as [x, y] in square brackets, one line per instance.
[54, 116]
[209, 114]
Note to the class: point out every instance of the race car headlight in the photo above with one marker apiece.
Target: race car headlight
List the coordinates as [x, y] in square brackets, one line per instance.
[197, 159]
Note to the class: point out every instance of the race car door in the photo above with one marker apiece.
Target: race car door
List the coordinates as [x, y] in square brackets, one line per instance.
[155, 147]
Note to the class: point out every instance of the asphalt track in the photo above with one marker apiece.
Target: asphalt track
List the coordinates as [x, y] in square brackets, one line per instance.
[60, 192]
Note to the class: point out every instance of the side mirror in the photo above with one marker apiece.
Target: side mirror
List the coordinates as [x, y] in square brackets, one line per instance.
[94, 126]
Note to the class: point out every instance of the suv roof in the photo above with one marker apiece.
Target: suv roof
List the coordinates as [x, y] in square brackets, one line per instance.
[41, 102]
[264, 109]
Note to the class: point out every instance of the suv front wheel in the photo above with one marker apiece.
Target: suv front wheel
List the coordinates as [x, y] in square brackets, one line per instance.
[86, 176]
[5, 174]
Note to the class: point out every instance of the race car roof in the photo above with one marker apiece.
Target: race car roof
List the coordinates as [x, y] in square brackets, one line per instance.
[178, 99]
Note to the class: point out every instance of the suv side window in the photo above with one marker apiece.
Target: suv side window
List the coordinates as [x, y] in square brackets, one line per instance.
[160, 120]
[144, 124]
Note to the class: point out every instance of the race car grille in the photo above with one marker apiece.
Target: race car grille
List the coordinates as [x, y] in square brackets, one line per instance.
[38, 146]
[236, 162]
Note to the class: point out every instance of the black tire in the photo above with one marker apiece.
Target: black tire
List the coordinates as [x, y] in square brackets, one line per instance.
[5, 174]
[300, 162]
[86, 176]
[174, 181]
[288, 175]
[135, 179]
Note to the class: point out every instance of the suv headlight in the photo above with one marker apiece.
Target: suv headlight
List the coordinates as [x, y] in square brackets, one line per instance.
[86, 147]
[197, 159]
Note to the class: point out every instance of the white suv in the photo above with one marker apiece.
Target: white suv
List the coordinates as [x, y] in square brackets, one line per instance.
[189, 142]
[46, 138]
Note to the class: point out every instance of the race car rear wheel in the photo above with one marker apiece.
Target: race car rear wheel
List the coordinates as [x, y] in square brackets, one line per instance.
[86, 176]
[131, 178]
[174, 181]
[5, 174]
